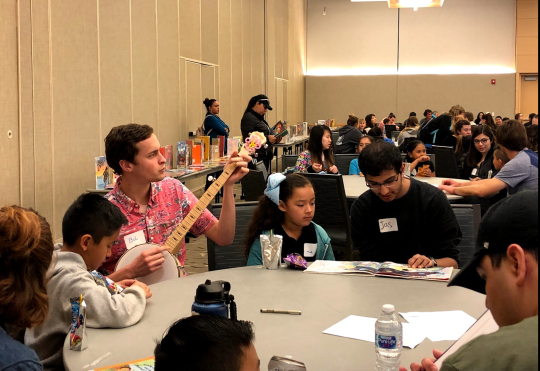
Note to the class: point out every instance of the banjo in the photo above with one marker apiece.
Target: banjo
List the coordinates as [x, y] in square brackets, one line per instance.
[171, 267]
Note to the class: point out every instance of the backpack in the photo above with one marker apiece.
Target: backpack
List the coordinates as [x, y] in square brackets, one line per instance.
[201, 131]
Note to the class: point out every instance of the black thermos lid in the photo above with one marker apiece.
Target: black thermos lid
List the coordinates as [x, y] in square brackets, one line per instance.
[212, 292]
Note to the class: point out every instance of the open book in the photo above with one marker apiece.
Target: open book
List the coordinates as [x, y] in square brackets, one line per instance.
[387, 269]
[486, 325]
[146, 364]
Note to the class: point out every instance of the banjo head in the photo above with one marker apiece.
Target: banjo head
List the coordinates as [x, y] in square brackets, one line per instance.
[169, 270]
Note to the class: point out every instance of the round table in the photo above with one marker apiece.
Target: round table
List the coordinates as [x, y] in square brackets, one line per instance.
[323, 299]
[355, 186]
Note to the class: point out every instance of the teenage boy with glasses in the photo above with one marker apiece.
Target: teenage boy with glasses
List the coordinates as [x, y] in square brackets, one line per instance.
[402, 220]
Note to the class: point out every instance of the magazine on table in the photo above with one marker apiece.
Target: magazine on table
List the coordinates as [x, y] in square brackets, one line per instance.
[146, 364]
[386, 269]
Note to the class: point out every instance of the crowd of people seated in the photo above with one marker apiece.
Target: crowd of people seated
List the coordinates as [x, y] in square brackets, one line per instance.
[497, 156]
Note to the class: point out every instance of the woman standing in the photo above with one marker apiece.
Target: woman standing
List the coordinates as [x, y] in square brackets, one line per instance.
[26, 251]
[213, 124]
[319, 157]
[252, 121]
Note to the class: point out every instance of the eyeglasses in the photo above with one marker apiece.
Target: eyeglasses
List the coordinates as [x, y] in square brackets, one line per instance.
[483, 141]
[388, 184]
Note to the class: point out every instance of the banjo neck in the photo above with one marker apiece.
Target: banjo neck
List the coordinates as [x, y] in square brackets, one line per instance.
[174, 242]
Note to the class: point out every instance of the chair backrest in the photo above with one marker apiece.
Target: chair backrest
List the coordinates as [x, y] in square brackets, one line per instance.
[225, 257]
[343, 162]
[253, 185]
[288, 161]
[389, 129]
[335, 137]
[262, 168]
[469, 218]
[332, 212]
[446, 165]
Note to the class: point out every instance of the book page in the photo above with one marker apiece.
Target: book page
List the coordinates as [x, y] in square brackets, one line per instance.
[403, 271]
[484, 326]
[333, 267]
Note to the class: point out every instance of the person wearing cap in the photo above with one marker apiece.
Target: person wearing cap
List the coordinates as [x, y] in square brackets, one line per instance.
[520, 174]
[505, 269]
[252, 121]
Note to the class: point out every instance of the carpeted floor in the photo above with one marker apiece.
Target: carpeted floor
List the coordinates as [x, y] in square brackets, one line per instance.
[196, 252]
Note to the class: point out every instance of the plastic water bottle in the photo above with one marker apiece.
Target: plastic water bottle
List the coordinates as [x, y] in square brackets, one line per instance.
[388, 340]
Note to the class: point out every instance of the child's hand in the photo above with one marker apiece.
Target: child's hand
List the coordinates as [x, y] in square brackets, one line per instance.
[425, 158]
[334, 169]
[427, 172]
[126, 283]
[146, 289]
[317, 168]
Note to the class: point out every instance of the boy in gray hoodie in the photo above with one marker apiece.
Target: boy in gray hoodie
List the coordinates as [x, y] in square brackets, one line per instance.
[89, 228]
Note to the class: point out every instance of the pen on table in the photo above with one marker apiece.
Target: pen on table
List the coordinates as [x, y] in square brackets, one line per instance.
[293, 312]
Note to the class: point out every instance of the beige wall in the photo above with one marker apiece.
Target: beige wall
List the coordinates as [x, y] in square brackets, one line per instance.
[526, 54]
[338, 96]
[86, 66]
[353, 64]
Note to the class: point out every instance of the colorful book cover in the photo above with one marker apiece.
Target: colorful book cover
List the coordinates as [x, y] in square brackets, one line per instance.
[206, 148]
[197, 153]
[189, 152]
[147, 364]
[332, 123]
[104, 174]
[299, 130]
[222, 143]
[214, 153]
[387, 269]
[169, 157]
[182, 153]
[233, 145]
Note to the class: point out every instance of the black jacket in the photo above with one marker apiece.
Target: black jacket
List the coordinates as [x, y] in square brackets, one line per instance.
[252, 122]
[349, 136]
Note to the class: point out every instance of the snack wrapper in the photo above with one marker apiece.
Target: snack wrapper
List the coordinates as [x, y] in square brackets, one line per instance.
[77, 334]
[295, 261]
[271, 251]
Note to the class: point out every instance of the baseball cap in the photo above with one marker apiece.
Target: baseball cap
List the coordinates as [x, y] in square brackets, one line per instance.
[263, 99]
[513, 220]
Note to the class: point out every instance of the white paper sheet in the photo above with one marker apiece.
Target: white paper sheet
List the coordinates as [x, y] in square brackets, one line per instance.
[441, 326]
[363, 328]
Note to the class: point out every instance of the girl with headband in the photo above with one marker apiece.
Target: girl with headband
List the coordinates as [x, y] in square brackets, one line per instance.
[287, 209]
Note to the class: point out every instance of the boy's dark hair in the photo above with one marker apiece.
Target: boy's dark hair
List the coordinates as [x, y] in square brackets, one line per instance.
[499, 117]
[94, 215]
[386, 121]
[376, 132]
[426, 112]
[121, 144]
[512, 136]
[500, 155]
[204, 343]
[378, 157]
[469, 116]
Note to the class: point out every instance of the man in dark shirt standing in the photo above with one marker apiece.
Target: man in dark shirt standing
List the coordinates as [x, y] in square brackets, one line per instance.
[402, 220]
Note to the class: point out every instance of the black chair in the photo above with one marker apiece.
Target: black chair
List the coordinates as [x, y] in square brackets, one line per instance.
[332, 212]
[389, 129]
[225, 257]
[446, 165]
[343, 162]
[469, 218]
[253, 185]
[288, 161]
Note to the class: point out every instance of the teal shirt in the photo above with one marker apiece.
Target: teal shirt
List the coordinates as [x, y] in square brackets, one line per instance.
[324, 248]
[354, 169]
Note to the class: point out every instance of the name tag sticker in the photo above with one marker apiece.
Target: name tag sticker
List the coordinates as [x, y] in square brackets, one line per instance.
[474, 172]
[310, 249]
[134, 239]
[388, 225]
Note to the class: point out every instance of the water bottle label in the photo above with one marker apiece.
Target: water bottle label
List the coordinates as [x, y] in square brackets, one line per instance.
[387, 342]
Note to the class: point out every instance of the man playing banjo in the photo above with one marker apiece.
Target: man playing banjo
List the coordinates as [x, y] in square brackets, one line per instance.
[155, 204]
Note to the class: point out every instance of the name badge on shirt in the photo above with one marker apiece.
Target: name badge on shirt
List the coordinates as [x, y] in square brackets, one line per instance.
[388, 225]
[474, 172]
[310, 249]
[134, 239]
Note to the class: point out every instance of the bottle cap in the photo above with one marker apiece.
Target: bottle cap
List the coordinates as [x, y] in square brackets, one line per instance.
[389, 309]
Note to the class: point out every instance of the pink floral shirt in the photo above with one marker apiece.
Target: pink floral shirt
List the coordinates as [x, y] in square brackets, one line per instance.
[169, 204]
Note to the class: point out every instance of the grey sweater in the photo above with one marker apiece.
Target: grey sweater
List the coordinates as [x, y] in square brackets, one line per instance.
[70, 278]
